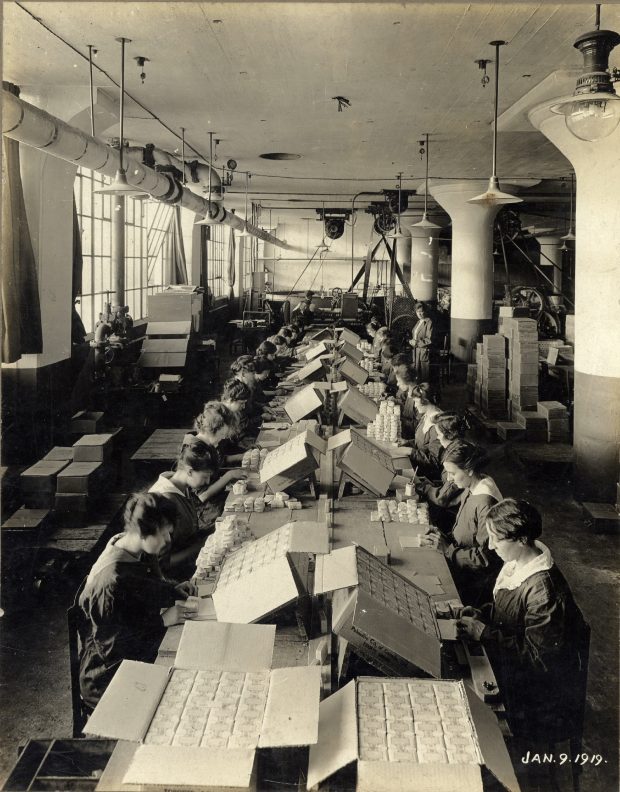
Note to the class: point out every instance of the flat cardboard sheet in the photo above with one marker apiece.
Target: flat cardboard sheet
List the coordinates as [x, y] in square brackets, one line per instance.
[315, 351]
[247, 600]
[302, 403]
[336, 746]
[408, 776]
[229, 647]
[349, 336]
[447, 629]
[195, 768]
[309, 537]
[292, 710]
[135, 691]
[339, 440]
[336, 570]
[112, 777]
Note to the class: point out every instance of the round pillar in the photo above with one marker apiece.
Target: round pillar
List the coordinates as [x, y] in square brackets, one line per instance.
[424, 262]
[472, 263]
[597, 309]
[551, 258]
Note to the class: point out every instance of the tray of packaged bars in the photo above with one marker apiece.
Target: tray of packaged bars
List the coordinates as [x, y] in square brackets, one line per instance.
[198, 724]
[410, 734]
[269, 573]
[387, 620]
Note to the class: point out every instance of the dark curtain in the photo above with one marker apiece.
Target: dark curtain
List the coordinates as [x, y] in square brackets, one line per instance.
[175, 251]
[21, 310]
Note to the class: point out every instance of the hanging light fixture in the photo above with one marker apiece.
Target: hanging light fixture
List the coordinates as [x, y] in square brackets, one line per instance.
[211, 218]
[245, 232]
[570, 236]
[494, 196]
[120, 186]
[397, 232]
[593, 111]
[425, 224]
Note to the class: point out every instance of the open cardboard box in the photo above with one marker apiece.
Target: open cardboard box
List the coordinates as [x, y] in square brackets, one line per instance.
[352, 372]
[349, 336]
[344, 739]
[268, 574]
[363, 461]
[286, 716]
[311, 372]
[388, 620]
[303, 403]
[296, 459]
[315, 351]
[350, 351]
[357, 407]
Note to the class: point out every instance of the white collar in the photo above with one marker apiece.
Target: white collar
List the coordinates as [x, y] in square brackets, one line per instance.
[427, 422]
[486, 486]
[511, 577]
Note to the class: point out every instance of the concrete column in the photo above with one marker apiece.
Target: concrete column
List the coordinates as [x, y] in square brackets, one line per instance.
[472, 263]
[424, 262]
[597, 310]
[551, 257]
[403, 249]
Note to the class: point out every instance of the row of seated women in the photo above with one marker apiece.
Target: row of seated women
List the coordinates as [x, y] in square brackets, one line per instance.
[516, 601]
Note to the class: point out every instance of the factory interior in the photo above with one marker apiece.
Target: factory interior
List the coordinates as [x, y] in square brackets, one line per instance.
[310, 451]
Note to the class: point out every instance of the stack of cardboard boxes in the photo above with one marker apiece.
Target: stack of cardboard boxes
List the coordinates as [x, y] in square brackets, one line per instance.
[522, 335]
[492, 376]
[556, 417]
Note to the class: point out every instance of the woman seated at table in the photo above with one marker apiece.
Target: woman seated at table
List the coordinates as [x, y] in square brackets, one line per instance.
[443, 497]
[236, 396]
[124, 592]
[473, 564]
[533, 631]
[389, 350]
[406, 383]
[427, 448]
[195, 466]
[381, 336]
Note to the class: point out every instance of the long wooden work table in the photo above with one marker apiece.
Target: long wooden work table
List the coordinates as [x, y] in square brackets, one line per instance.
[305, 639]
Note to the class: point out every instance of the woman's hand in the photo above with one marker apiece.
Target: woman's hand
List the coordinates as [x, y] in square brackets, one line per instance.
[458, 613]
[470, 628]
[187, 589]
[235, 474]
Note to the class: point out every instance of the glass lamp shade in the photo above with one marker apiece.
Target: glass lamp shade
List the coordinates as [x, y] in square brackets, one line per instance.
[590, 117]
[494, 196]
[119, 186]
[425, 223]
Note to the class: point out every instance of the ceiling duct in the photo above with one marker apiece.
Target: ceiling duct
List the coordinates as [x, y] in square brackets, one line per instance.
[34, 127]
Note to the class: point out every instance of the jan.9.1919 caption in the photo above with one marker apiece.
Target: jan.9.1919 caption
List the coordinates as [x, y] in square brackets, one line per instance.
[563, 758]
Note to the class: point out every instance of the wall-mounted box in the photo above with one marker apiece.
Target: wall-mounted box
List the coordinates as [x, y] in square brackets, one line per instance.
[410, 734]
[262, 577]
[302, 404]
[352, 372]
[388, 620]
[197, 725]
[292, 461]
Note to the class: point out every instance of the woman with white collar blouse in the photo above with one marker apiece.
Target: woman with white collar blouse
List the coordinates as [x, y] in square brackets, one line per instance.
[427, 448]
[533, 630]
[474, 565]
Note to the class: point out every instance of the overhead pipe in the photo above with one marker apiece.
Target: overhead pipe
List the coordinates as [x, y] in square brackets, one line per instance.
[34, 127]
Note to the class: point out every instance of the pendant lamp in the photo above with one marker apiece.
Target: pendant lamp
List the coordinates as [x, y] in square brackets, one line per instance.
[494, 196]
[570, 236]
[425, 224]
[397, 232]
[210, 218]
[120, 186]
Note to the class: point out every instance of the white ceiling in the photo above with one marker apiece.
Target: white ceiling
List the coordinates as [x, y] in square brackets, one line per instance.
[262, 78]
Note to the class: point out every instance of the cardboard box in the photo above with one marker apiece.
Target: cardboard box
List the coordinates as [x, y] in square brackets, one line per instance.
[302, 404]
[359, 408]
[26, 524]
[59, 454]
[182, 328]
[391, 757]
[352, 372]
[71, 502]
[350, 351]
[315, 351]
[349, 336]
[365, 462]
[198, 724]
[38, 483]
[86, 422]
[292, 461]
[260, 578]
[80, 477]
[93, 448]
[311, 372]
[388, 620]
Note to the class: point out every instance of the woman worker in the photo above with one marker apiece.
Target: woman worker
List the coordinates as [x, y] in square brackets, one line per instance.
[533, 631]
[406, 383]
[195, 466]
[427, 451]
[421, 340]
[473, 564]
[124, 592]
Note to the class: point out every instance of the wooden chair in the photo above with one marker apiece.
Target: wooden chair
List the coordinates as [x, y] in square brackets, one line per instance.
[76, 628]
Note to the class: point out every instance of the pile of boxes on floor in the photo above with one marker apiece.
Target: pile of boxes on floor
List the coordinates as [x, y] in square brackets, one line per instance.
[68, 479]
[490, 383]
[387, 425]
[522, 362]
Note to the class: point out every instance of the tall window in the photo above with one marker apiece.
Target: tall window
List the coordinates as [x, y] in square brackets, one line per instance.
[217, 268]
[147, 227]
